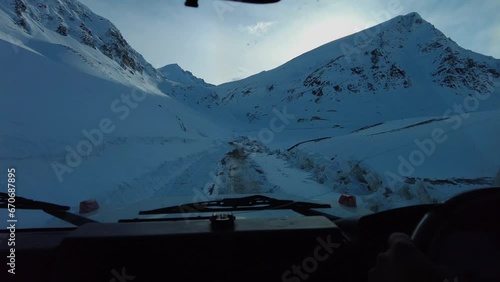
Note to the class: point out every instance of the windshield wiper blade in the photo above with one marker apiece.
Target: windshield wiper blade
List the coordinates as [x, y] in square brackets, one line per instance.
[250, 203]
[163, 219]
[55, 210]
[27, 204]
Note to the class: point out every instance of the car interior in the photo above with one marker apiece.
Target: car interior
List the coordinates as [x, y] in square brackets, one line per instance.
[222, 247]
[210, 241]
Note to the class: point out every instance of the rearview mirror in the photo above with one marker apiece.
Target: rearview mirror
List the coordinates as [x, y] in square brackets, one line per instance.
[194, 3]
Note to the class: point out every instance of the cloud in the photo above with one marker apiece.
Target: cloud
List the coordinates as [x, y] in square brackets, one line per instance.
[259, 28]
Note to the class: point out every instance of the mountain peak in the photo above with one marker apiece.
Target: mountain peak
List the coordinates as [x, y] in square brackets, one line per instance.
[170, 67]
[391, 57]
[176, 73]
[410, 22]
[413, 15]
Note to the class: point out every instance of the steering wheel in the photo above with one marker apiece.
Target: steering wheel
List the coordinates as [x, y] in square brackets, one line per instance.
[477, 210]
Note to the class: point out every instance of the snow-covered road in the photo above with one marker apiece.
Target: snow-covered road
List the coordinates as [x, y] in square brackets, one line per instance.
[299, 183]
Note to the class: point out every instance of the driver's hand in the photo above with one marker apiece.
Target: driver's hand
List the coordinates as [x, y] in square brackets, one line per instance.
[404, 262]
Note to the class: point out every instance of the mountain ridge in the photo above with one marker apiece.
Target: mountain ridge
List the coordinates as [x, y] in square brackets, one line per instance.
[362, 39]
[405, 56]
[176, 73]
[70, 18]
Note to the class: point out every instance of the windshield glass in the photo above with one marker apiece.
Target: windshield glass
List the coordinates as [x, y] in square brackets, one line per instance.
[115, 107]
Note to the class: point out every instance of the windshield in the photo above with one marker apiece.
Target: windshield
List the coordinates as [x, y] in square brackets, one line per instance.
[115, 107]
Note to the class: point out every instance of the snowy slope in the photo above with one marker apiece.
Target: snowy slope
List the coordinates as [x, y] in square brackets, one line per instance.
[349, 111]
[73, 25]
[77, 123]
[399, 69]
[196, 93]
[409, 161]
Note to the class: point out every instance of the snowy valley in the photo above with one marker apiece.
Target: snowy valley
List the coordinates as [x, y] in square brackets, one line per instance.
[395, 115]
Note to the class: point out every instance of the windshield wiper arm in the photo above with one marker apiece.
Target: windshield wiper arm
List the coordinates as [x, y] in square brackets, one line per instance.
[55, 210]
[27, 204]
[250, 203]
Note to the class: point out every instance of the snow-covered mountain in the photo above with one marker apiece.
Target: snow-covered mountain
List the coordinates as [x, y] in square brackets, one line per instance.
[404, 67]
[175, 73]
[361, 114]
[84, 115]
[191, 90]
[74, 20]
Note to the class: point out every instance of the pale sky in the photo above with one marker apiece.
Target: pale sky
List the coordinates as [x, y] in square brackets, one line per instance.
[223, 41]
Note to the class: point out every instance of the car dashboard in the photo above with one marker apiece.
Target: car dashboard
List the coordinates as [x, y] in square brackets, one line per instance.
[308, 248]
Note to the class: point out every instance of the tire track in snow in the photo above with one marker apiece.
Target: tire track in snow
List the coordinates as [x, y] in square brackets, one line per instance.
[241, 181]
[240, 174]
